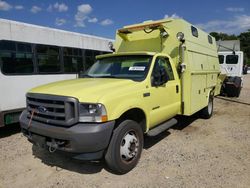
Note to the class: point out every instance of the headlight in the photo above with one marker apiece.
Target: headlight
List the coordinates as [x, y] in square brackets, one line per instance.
[92, 113]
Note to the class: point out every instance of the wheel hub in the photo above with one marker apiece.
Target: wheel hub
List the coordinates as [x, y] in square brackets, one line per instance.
[129, 146]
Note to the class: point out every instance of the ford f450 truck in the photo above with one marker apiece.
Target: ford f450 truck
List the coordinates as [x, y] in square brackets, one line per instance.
[159, 69]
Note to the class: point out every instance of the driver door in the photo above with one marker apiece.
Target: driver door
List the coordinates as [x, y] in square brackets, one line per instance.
[164, 100]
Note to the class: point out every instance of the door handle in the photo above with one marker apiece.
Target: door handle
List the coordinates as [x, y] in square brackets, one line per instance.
[177, 89]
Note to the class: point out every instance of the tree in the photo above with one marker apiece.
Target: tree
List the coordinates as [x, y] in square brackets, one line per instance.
[223, 36]
[245, 45]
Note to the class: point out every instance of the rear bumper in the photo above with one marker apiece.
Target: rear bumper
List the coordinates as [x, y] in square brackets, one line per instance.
[81, 138]
[10, 116]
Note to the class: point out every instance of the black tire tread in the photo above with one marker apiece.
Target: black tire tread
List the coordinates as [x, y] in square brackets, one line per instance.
[204, 112]
[111, 156]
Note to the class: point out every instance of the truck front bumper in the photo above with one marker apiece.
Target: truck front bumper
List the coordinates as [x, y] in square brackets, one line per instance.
[85, 140]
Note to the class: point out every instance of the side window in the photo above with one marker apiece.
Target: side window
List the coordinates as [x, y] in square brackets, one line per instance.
[210, 39]
[194, 31]
[162, 62]
[7, 45]
[103, 52]
[16, 58]
[221, 59]
[48, 59]
[90, 57]
[72, 59]
[232, 59]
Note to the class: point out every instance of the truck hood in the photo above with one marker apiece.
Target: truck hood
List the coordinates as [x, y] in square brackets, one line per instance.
[86, 89]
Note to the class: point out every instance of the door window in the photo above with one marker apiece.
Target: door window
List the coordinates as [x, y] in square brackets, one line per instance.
[163, 62]
[232, 59]
[16, 58]
[221, 59]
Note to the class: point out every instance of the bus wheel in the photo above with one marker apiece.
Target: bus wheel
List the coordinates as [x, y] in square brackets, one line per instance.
[207, 112]
[125, 147]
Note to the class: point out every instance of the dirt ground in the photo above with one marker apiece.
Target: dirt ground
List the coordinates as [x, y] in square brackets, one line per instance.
[194, 153]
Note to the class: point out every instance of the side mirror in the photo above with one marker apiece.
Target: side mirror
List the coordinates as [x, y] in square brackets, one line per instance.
[160, 77]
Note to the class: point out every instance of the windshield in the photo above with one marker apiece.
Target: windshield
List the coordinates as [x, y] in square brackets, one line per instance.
[134, 67]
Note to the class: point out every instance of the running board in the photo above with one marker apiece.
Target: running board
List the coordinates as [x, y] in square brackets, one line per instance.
[162, 127]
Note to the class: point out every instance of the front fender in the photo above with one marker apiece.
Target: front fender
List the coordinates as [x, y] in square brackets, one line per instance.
[120, 108]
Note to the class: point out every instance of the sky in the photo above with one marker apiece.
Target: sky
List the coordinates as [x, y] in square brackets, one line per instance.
[103, 17]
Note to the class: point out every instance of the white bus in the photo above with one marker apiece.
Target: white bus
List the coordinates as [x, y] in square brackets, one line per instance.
[32, 55]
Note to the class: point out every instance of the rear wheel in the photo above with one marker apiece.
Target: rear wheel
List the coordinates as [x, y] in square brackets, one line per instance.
[125, 147]
[207, 112]
[238, 82]
[233, 86]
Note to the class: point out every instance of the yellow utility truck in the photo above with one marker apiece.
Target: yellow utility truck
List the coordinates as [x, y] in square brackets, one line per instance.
[159, 69]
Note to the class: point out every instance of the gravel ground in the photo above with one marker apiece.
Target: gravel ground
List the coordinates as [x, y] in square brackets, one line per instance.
[194, 153]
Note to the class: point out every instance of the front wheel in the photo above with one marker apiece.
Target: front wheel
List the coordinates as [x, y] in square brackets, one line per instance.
[125, 147]
[207, 112]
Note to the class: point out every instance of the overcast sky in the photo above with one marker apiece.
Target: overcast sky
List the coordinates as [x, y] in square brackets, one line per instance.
[103, 17]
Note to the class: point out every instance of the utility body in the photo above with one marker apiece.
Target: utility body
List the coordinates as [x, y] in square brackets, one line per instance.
[159, 69]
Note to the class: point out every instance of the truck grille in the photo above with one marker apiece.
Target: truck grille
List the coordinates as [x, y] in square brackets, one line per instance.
[52, 109]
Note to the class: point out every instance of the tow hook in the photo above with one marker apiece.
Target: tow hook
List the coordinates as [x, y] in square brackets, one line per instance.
[54, 145]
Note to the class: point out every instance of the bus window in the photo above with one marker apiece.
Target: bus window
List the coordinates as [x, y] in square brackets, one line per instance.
[221, 59]
[105, 53]
[95, 53]
[7, 45]
[16, 58]
[72, 58]
[22, 47]
[90, 59]
[76, 52]
[48, 59]
[232, 59]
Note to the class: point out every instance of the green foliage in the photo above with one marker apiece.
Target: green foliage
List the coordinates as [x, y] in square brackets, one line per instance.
[245, 45]
[244, 42]
[223, 36]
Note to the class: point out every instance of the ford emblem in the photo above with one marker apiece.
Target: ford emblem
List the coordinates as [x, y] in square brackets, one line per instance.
[42, 109]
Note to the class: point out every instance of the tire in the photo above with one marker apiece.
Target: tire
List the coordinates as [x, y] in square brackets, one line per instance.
[238, 92]
[238, 81]
[207, 112]
[125, 147]
[233, 87]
